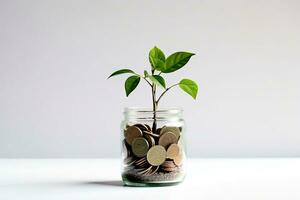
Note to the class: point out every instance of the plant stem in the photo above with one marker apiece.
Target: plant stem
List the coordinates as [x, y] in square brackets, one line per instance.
[154, 101]
[162, 94]
[147, 81]
[154, 104]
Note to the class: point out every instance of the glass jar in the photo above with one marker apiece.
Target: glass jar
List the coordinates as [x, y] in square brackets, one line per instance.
[153, 147]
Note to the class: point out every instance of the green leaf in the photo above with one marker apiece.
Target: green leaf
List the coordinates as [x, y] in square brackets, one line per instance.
[131, 83]
[121, 71]
[158, 80]
[176, 61]
[157, 58]
[159, 65]
[189, 86]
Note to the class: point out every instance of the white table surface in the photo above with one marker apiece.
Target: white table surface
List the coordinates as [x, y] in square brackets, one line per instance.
[99, 179]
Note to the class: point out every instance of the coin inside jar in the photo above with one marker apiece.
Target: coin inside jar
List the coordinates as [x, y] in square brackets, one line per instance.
[173, 151]
[140, 146]
[172, 129]
[158, 131]
[154, 170]
[178, 159]
[150, 139]
[142, 127]
[151, 133]
[166, 139]
[148, 127]
[156, 155]
[169, 166]
[131, 133]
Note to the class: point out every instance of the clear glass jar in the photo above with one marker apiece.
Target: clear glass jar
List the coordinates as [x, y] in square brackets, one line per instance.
[153, 147]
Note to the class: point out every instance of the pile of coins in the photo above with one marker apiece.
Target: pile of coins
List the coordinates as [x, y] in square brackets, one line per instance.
[149, 153]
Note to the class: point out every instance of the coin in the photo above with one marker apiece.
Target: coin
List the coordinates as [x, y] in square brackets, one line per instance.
[156, 155]
[151, 133]
[132, 132]
[173, 151]
[166, 139]
[178, 159]
[158, 131]
[172, 129]
[148, 171]
[148, 127]
[168, 163]
[143, 171]
[150, 139]
[154, 170]
[169, 169]
[143, 127]
[168, 166]
[140, 161]
[140, 146]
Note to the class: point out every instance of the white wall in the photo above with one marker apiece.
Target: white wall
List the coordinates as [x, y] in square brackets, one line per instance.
[55, 57]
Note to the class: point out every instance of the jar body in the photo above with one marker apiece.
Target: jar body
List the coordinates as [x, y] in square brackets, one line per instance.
[153, 147]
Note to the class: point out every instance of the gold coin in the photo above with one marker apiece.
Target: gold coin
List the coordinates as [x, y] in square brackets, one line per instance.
[140, 146]
[173, 151]
[178, 159]
[132, 132]
[172, 129]
[156, 155]
[166, 139]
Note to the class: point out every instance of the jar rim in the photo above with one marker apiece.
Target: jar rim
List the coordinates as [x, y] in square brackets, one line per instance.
[172, 110]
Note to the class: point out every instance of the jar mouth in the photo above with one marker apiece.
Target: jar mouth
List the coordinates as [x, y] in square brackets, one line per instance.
[136, 113]
[150, 110]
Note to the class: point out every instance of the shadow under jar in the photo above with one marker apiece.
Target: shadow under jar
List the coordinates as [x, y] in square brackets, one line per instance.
[153, 147]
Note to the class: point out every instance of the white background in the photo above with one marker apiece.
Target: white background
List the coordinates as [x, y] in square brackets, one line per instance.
[55, 57]
[209, 179]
